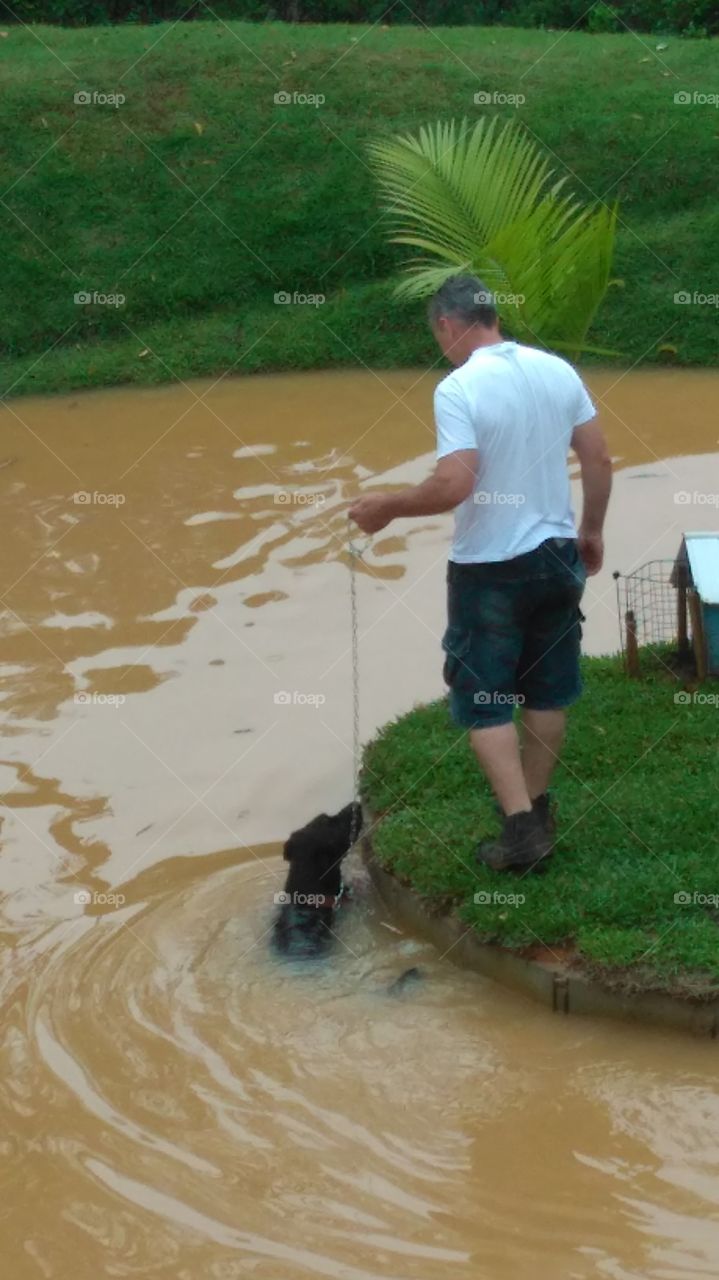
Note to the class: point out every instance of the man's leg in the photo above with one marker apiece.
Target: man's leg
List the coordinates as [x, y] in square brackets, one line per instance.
[498, 753]
[483, 644]
[523, 842]
[543, 735]
[549, 677]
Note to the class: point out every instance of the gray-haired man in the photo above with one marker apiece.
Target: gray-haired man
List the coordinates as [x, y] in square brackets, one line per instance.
[506, 419]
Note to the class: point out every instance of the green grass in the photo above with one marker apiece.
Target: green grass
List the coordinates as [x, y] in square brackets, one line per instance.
[638, 805]
[199, 198]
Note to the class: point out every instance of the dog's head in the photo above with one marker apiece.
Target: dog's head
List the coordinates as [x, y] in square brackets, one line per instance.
[316, 851]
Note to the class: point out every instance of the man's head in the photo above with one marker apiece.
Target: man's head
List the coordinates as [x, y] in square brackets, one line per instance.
[463, 317]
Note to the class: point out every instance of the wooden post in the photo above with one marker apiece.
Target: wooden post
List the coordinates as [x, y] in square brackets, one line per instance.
[682, 633]
[632, 653]
[700, 648]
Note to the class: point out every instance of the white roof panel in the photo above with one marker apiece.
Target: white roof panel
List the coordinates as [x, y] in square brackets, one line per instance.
[703, 553]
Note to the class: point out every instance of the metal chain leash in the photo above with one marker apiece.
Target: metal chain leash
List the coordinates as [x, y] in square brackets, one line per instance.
[355, 553]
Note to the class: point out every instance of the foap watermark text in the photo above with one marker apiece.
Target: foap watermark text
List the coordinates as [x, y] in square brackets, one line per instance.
[85, 298]
[299, 498]
[486, 498]
[698, 698]
[485, 98]
[84, 898]
[99, 699]
[297, 698]
[486, 699]
[283, 98]
[684, 498]
[283, 298]
[85, 499]
[495, 898]
[486, 298]
[686, 899]
[695, 98]
[696, 299]
[285, 899]
[93, 98]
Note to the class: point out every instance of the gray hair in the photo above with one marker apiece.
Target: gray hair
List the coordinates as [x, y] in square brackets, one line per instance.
[465, 297]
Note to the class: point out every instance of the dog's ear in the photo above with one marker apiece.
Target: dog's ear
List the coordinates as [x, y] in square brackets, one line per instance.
[296, 845]
[309, 837]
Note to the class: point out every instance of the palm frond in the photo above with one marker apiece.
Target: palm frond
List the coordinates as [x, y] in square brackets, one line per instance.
[484, 199]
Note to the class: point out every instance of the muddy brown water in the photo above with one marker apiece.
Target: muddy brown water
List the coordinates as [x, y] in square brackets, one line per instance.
[175, 1104]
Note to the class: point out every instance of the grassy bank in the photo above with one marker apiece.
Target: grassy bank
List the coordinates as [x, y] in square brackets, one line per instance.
[633, 889]
[199, 198]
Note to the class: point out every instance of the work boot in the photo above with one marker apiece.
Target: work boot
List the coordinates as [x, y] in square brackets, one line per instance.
[521, 846]
[543, 807]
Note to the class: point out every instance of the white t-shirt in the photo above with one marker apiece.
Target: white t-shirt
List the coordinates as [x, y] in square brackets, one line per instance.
[518, 406]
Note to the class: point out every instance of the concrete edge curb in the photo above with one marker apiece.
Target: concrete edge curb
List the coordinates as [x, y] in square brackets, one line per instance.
[555, 985]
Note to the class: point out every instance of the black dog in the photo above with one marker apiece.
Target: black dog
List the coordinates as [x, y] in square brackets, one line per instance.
[313, 889]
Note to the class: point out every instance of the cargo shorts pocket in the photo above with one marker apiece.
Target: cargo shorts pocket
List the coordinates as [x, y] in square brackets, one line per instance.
[456, 644]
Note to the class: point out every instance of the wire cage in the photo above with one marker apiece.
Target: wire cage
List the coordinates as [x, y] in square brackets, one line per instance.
[652, 607]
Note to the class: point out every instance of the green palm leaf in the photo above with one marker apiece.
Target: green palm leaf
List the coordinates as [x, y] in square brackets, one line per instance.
[483, 199]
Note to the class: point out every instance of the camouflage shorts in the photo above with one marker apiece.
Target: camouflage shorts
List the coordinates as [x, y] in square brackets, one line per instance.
[513, 634]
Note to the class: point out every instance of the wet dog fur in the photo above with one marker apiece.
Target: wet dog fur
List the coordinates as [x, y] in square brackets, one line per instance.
[305, 924]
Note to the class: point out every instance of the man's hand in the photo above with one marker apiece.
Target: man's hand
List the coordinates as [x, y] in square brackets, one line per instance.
[372, 512]
[591, 549]
[449, 484]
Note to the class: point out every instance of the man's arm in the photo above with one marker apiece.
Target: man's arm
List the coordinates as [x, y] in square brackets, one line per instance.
[453, 477]
[450, 483]
[596, 466]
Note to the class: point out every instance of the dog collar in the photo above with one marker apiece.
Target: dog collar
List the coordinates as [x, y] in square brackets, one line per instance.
[331, 900]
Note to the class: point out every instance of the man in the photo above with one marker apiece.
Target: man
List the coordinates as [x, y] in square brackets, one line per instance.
[506, 418]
